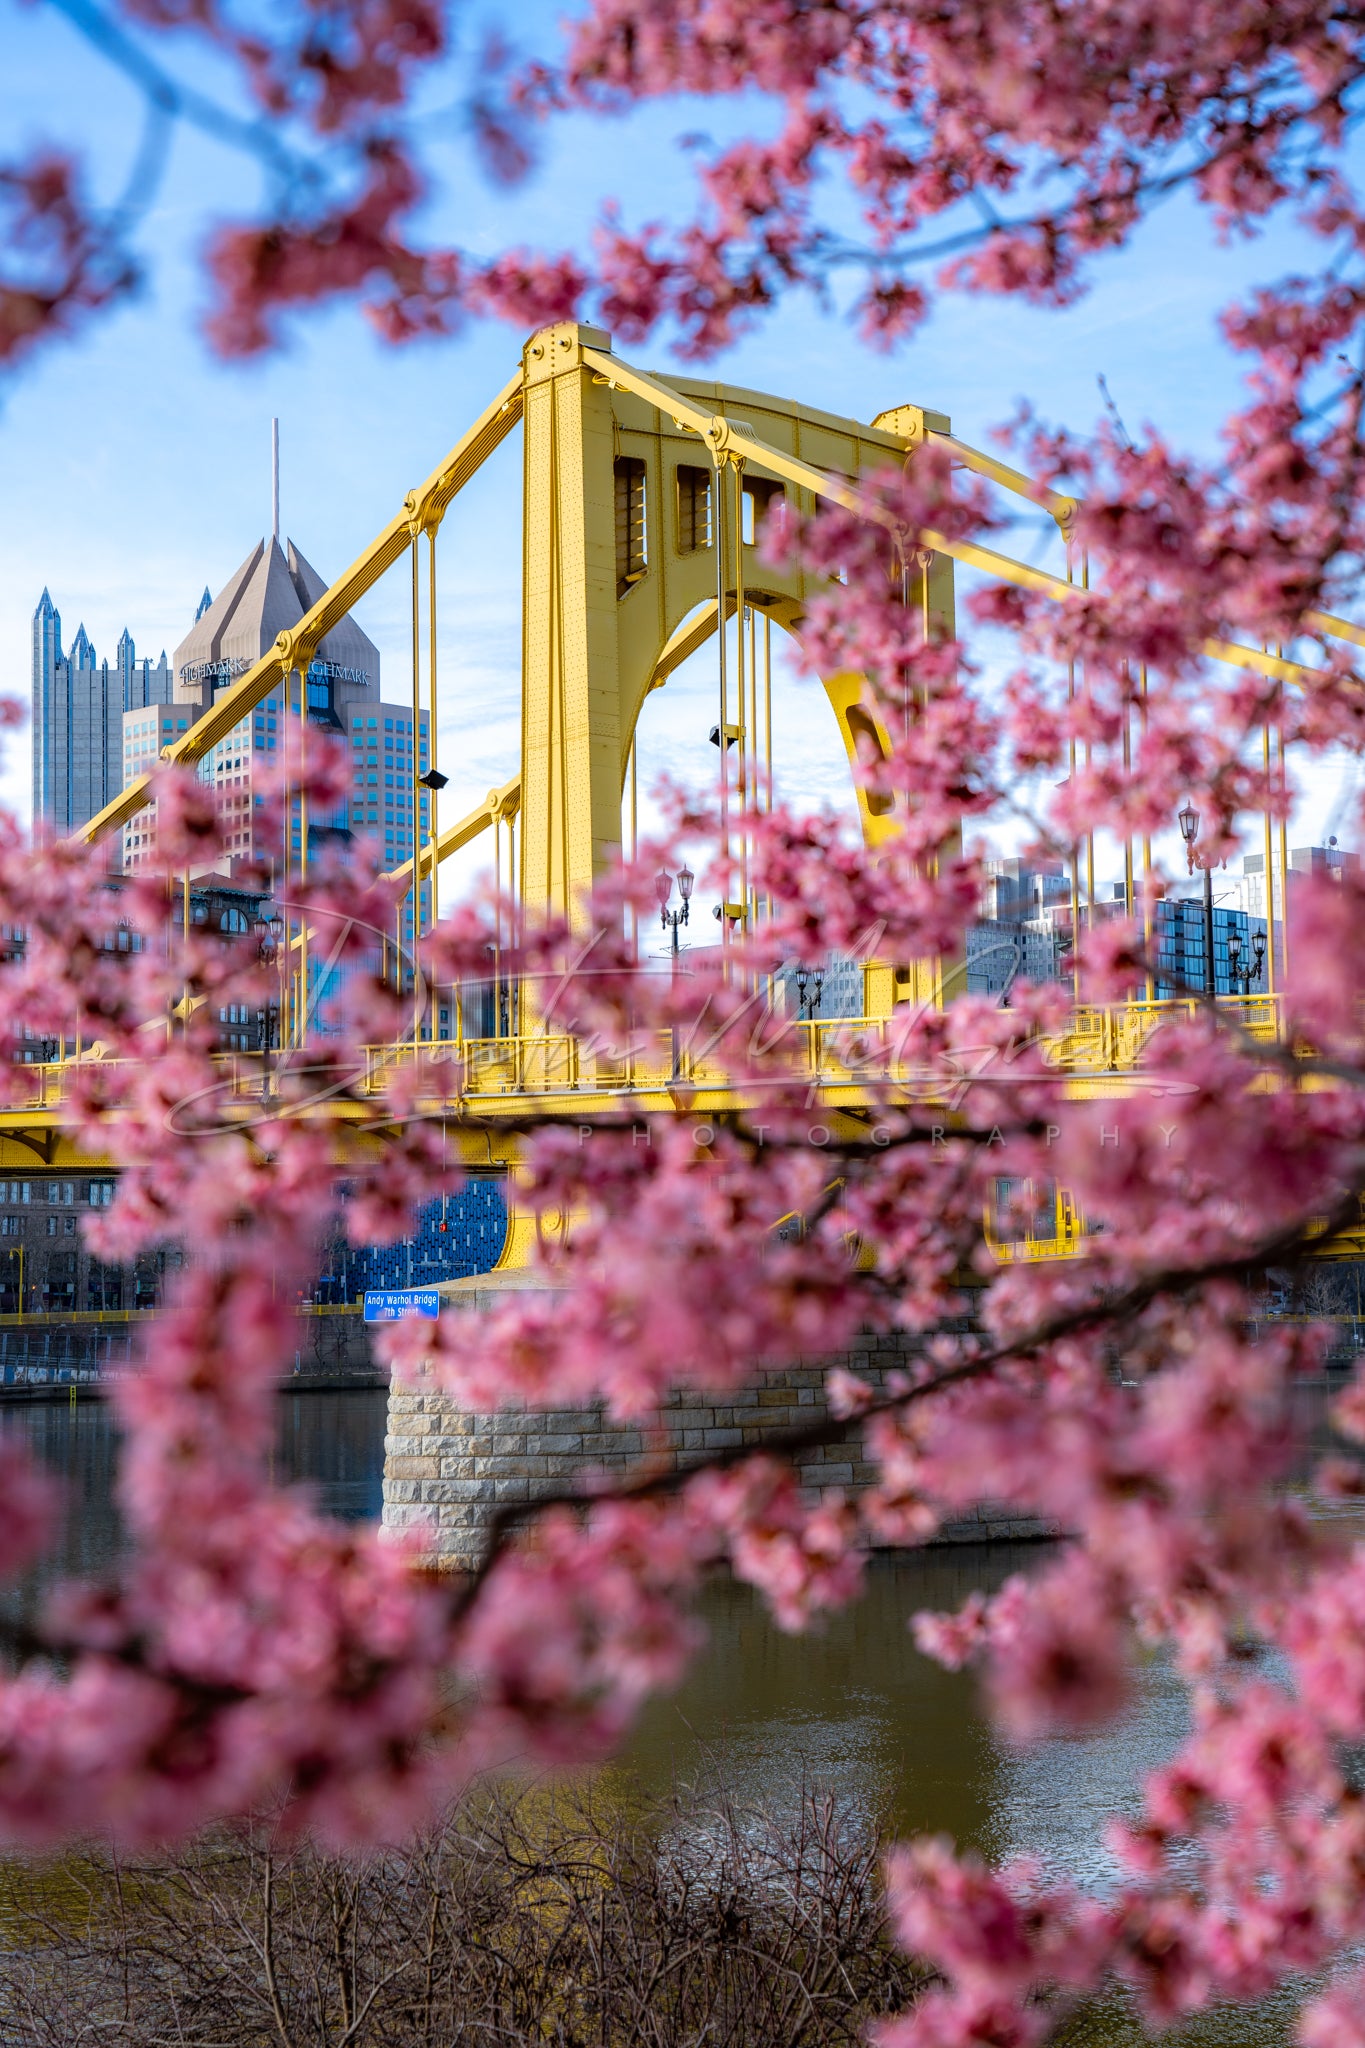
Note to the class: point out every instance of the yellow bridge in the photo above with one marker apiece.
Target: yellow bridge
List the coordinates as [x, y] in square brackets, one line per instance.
[642, 504]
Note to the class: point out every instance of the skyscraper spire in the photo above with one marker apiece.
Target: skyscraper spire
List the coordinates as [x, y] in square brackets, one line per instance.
[47, 661]
[79, 704]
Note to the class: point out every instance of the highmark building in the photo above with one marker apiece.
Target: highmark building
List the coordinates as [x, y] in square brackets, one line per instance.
[268, 595]
[97, 727]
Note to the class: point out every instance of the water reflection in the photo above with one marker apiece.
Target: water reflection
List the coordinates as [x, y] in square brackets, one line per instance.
[333, 1440]
[853, 1708]
[857, 1710]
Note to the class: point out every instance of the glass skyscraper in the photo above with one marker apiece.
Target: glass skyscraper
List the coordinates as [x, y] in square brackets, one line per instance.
[78, 708]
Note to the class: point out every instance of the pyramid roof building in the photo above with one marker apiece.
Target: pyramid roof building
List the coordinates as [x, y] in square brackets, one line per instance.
[266, 596]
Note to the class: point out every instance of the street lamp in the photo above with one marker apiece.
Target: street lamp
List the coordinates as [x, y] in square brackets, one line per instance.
[272, 947]
[1242, 979]
[815, 983]
[670, 920]
[663, 889]
[1188, 819]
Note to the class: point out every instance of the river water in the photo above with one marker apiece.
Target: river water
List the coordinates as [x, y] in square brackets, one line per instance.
[853, 1709]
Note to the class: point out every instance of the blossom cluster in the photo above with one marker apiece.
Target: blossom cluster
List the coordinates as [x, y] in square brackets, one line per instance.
[251, 1652]
[1063, 130]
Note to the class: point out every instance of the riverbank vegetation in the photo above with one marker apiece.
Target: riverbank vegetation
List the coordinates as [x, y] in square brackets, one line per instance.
[547, 1917]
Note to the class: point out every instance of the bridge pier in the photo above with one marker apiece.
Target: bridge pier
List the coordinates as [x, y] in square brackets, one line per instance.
[446, 1469]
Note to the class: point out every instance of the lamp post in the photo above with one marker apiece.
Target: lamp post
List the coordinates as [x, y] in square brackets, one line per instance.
[663, 889]
[670, 920]
[1241, 978]
[1188, 818]
[810, 987]
[434, 781]
[272, 947]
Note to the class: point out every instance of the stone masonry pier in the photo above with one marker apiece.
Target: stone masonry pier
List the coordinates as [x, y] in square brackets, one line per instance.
[446, 1468]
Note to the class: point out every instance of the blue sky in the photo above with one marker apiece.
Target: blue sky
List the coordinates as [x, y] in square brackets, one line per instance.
[135, 465]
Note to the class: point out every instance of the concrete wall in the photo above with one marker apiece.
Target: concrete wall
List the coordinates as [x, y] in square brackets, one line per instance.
[446, 1469]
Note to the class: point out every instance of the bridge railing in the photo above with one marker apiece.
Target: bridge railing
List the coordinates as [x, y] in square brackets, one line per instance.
[1107, 1038]
[550, 1063]
[53, 1318]
[1056, 1232]
[829, 1052]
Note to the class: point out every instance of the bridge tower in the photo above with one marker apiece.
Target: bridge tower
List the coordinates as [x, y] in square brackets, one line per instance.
[640, 532]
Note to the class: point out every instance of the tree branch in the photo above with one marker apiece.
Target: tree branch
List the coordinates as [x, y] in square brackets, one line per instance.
[1114, 1309]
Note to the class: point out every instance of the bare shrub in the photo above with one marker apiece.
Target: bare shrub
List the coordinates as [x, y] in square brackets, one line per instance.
[549, 1916]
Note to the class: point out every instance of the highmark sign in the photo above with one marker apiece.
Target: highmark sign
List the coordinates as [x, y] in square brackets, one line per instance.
[391, 1304]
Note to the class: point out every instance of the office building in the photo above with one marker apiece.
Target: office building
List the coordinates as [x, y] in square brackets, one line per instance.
[451, 1238]
[1179, 945]
[832, 990]
[1023, 929]
[1016, 891]
[1001, 951]
[46, 1267]
[79, 705]
[269, 594]
[1331, 861]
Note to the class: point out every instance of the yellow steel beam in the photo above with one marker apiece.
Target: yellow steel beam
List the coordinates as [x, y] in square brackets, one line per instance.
[1025, 577]
[422, 510]
[499, 803]
[1064, 510]
[724, 438]
[686, 639]
[1339, 629]
[496, 804]
[118, 810]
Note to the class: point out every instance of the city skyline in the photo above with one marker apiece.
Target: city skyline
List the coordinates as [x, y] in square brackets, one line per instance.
[126, 713]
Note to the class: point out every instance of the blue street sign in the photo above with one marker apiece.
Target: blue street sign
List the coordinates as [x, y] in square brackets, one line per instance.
[391, 1304]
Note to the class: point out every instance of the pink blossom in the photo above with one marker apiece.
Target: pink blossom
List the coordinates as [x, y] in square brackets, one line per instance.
[249, 1650]
[803, 1557]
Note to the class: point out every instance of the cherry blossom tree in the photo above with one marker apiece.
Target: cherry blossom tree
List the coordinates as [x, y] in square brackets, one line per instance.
[251, 1652]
